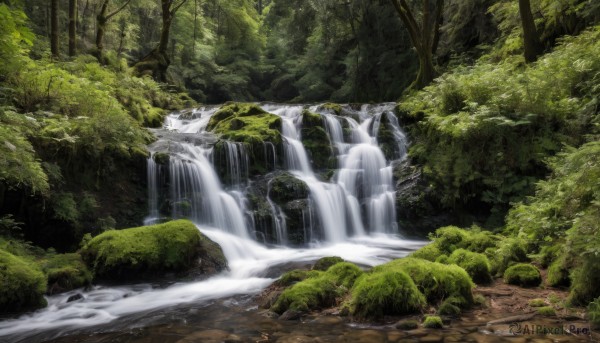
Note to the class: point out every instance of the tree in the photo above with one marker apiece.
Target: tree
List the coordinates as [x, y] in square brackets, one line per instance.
[72, 27]
[157, 61]
[54, 29]
[424, 38]
[531, 40]
[102, 19]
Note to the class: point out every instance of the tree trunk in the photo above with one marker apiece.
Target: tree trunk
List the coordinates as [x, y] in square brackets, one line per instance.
[531, 40]
[101, 20]
[54, 29]
[72, 27]
[260, 7]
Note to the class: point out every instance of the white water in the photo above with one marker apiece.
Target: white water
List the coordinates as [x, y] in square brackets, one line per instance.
[360, 199]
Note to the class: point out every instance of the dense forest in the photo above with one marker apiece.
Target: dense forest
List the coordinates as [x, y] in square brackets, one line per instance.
[500, 100]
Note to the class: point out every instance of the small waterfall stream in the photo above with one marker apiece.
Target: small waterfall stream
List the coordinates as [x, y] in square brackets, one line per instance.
[351, 214]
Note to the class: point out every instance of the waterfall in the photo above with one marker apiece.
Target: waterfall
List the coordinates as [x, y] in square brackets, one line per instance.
[357, 200]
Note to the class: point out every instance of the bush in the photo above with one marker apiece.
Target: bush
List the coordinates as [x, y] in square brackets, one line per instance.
[477, 265]
[385, 293]
[436, 281]
[144, 251]
[22, 284]
[433, 322]
[523, 274]
[510, 250]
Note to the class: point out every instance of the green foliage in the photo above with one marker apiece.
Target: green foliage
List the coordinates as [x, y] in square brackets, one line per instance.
[547, 311]
[66, 272]
[433, 322]
[485, 142]
[385, 293]
[135, 252]
[22, 284]
[435, 280]
[318, 289]
[477, 265]
[537, 302]
[523, 274]
[510, 250]
[247, 123]
[594, 312]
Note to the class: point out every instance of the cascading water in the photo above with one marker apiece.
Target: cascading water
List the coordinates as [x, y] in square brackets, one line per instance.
[359, 199]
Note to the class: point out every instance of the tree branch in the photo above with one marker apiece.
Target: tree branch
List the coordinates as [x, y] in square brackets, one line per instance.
[177, 7]
[117, 10]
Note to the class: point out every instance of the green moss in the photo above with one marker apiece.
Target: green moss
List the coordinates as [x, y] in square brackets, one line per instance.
[547, 311]
[66, 272]
[334, 108]
[246, 123]
[435, 280]
[325, 262]
[295, 276]
[317, 289]
[285, 187]
[510, 250]
[161, 158]
[22, 284]
[477, 265]
[433, 322]
[537, 302]
[593, 312]
[430, 252]
[450, 307]
[523, 274]
[143, 251]
[407, 325]
[385, 293]
[316, 141]
[449, 238]
[443, 259]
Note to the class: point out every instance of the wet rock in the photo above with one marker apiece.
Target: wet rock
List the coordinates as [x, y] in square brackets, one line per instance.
[511, 319]
[316, 141]
[328, 320]
[407, 325]
[75, 297]
[270, 314]
[297, 338]
[431, 339]
[291, 315]
[285, 188]
[364, 336]
[209, 336]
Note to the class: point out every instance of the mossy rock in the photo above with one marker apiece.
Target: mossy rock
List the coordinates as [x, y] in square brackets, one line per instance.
[325, 262]
[316, 141]
[523, 274]
[387, 140]
[285, 187]
[435, 280]
[146, 251]
[318, 290]
[547, 311]
[407, 324]
[433, 322]
[537, 302]
[449, 308]
[294, 276]
[161, 158]
[477, 265]
[382, 293]
[66, 272]
[430, 252]
[510, 250]
[22, 284]
[247, 123]
[333, 108]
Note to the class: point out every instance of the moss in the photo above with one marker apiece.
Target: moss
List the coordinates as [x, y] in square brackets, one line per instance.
[325, 262]
[435, 280]
[66, 272]
[477, 265]
[509, 251]
[449, 308]
[285, 187]
[161, 158]
[407, 325]
[294, 276]
[318, 289]
[443, 259]
[332, 107]
[593, 312]
[385, 293]
[433, 322]
[316, 141]
[547, 311]
[537, 302]
[523, 274]
[449, 238]
[144, 251]
[430, 252]
[584, 281]
[22, 284]
[246, 123]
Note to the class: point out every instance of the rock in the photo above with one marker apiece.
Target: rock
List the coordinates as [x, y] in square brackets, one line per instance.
[210, 336]
[149, 251]
[431, 339]
[316, 141]
[66, 272]
[407, 325]
[512, 319]
[285, 188]
[297, 338]
[75, 297]
[364, 336]
[291, 315]
[325, 262]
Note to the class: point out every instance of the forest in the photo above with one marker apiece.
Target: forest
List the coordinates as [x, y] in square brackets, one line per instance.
[131, 129]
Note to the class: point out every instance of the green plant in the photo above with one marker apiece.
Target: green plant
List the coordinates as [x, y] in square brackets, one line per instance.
[523, 274]
[433, 322]
[547, 311]
[537, 302]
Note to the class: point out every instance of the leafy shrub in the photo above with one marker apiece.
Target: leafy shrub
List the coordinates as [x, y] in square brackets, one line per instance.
[385, 293]
[523, 274]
